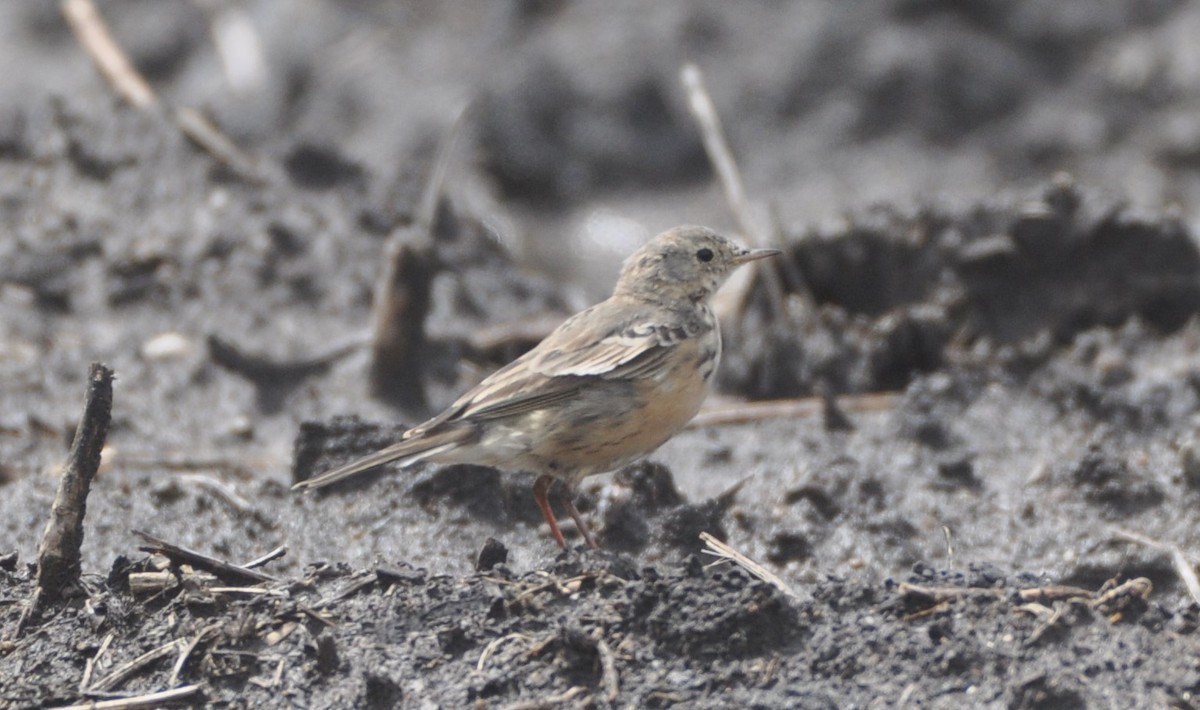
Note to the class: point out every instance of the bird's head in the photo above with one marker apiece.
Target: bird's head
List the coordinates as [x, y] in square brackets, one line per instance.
[683, 263]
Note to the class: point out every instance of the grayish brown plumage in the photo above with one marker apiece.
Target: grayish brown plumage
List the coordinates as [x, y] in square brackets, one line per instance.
[608, 386]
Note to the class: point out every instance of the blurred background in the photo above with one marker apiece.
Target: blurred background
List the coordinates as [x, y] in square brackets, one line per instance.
[579, 143]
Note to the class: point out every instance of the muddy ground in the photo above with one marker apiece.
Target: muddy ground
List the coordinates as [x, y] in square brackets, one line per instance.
[990, 214]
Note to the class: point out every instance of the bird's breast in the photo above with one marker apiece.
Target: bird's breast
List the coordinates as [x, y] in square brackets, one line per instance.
[619, 422]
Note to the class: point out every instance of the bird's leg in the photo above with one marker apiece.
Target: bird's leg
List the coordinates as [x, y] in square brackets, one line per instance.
[568, 499]
[540, 487]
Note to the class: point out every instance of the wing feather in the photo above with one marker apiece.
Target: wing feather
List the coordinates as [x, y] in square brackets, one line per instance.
[607, 341]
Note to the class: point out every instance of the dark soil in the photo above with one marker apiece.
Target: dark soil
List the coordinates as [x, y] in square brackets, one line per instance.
[989, 213]
[675, 634]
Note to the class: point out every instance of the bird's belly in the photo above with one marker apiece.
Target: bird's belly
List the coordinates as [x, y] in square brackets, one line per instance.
[621, 426]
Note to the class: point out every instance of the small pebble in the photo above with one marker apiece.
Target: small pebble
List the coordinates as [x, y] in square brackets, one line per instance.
[167, 346]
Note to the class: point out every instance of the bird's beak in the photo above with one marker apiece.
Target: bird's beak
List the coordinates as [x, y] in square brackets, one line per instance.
[755, 255]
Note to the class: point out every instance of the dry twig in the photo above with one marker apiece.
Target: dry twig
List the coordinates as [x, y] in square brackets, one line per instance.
[1182, 567]
[564, 587]
[1186, 572]
[1108, 601]
[125, 670]
[58, 568]
[938, 595]
[1118, 596]
[264, 370]
[719, 154]
[494, 645]
[213, 141]
[1046, 625]
[751, 412]
[269, 557]
[226, 571]
[243, 463]
[278, 677]
[609, 679]
[112, 61]
[224, 491]
[249, 591]
[351, 589]
[1054, 593]
[316, 616]
[431, 199]
[719, 549]
[148, 700]
[550, 702]
[186, 653]
[151, 582]
[94, 661]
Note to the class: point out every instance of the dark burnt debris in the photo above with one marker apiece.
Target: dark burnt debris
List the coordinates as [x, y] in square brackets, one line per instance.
[900, 293]
[592, 624]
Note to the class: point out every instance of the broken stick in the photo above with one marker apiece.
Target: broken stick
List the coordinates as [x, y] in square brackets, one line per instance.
[403, 294]
[114, 64]
[149, 700]
[58, 567]
[722, 550]
[712, 133]
[225, 571]
[752, 412]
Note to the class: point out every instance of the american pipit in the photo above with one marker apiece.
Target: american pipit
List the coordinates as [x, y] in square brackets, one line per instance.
[607, 387]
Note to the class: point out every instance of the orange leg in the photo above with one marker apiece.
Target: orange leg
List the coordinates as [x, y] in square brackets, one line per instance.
[568, 499]
[540, 488]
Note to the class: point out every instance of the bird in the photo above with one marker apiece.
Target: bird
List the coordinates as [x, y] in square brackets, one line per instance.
[607, 387]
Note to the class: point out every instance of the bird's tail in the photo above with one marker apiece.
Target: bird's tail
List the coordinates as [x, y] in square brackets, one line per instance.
[405, 451]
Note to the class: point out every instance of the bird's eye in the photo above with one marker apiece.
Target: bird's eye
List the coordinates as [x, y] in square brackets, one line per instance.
[704, 254]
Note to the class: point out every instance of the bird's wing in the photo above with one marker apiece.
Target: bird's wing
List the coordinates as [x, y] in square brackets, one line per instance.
[626, 350]
[596, 343]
